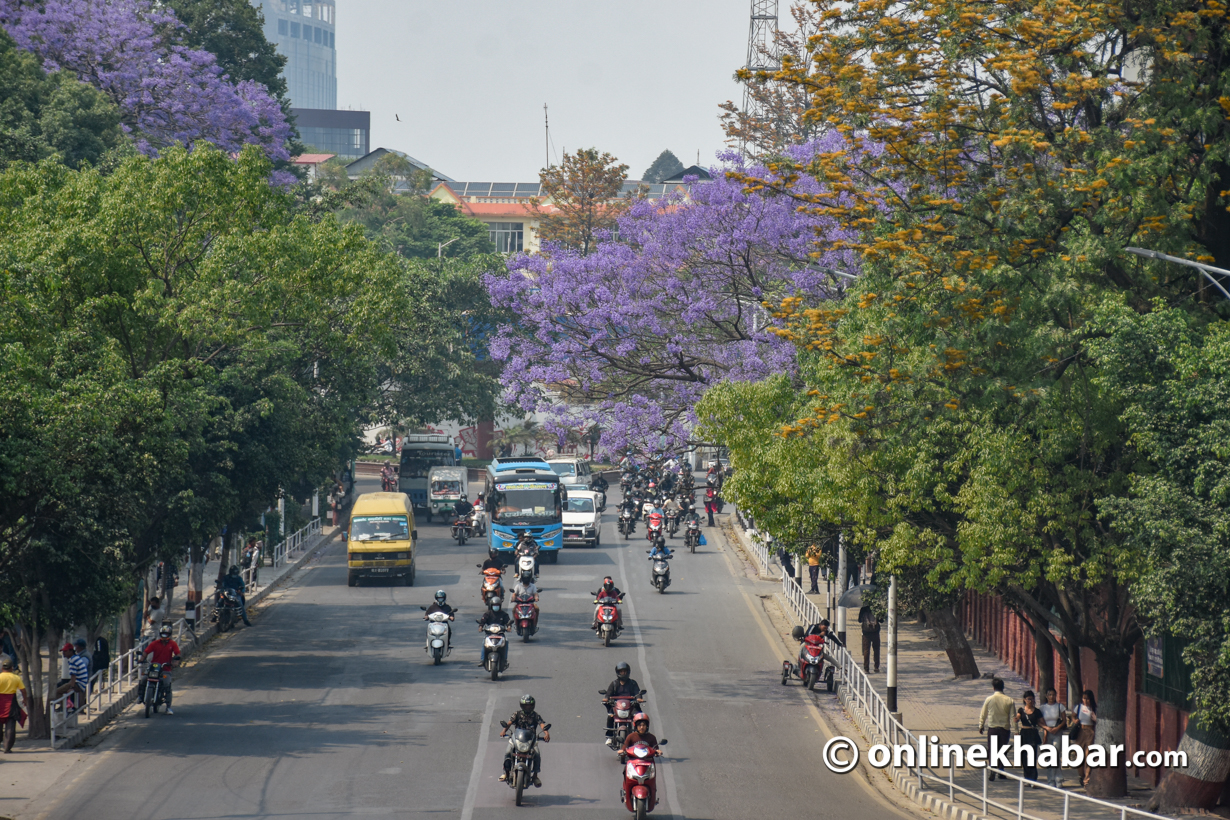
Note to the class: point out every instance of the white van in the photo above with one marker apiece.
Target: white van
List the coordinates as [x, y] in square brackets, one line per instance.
[582, 519]
[572, 471]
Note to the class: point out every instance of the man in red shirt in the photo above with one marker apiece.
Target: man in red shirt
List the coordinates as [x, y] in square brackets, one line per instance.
[162, 651]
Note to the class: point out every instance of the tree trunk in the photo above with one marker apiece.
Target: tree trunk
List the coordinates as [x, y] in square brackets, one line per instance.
[1076, 682]
[1044, 657]
[127, 638]
[952, 638]
[1113, 667]
[1199, 785]
[30, 653]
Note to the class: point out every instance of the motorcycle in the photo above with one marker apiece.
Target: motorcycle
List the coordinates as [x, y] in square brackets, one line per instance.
[672, 523]
[462, 530]
[495, 643]
[622, 711]
[155, 686]
[525, 616]
[526, 568]
[627, 522]
[439, 635]
[660, 576]
[653, 533]
[811, 666]
[227, 608]
[493, 585]
[607, 617]
[691, 537]
[524, 744]
[478, 522]
[640, 793]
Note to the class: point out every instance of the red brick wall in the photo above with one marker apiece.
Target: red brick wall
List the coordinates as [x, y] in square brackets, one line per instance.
[1151, 724]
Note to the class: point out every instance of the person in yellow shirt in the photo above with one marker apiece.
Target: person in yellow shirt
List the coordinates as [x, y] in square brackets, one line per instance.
[814, 555]
[10, 685]
[996, 717]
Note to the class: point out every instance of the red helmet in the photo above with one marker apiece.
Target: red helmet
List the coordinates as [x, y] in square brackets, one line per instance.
[640, 717]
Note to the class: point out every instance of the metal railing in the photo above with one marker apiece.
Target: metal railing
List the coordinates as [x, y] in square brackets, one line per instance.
[865, 706]
[293, 543]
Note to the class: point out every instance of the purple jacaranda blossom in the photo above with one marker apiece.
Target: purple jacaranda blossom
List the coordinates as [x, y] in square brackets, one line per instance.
[632, 335]
[167, 94]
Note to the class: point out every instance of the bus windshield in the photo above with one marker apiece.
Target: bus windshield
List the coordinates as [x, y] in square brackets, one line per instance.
[527, 502]
[379, 528]
[417, 463]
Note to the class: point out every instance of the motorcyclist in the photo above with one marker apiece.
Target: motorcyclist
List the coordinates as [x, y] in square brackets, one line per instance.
[660, 550]
[494, 615]
[526, 545]
[599, 483]
[162, 651]
[386, 476]
[640, 733]
[492, 562]
[524, 590]
[234, 580]
[622, 687]
[462, 508]
[440, 605]
[609, 590]
[525, 718]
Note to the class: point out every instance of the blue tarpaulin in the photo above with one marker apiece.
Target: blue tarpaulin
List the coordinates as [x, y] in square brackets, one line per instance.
[702, 539]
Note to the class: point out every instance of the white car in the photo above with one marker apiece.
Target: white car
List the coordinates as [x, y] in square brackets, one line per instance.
[582, 519]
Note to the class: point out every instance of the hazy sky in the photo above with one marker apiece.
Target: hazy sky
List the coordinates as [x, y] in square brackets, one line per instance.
[469, 78]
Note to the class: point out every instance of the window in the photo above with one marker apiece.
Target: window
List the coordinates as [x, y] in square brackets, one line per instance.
[379, 528]
[580, 505]
[508, 237]
[307, 9]
[1166, 676]
[283, 27]
[294, 30]
[331, 40]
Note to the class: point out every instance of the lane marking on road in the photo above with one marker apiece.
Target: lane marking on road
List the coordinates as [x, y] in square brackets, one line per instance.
[476, 771]
[672, 794]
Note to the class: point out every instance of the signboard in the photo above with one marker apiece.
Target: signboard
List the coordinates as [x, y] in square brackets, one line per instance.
[1153, 657]
[525, 485]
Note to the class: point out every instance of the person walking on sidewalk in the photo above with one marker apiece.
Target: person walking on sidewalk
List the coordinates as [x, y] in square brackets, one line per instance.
[1086, 715]
[1054, 724]
[995, 719]
[871, 636]
[1029, 717]
[814, 554]
[710, 504]
[11, 713]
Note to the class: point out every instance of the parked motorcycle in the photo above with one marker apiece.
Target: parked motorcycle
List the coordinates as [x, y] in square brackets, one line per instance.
[439, 635]
[155, 686]
[640, 789]
[525, 616]
[493, 584]
[495, 642]
[811, 665]
[462, 530]
[525, 744]
[660, 575]
[607, 618]
[622, 711]
[227, 608]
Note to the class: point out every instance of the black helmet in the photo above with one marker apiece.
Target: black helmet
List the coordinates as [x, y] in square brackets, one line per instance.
[527, 703]
[622, 670]
[607, 583]
[495, 603]
[164, 631]
[234, 570]
[441, 596]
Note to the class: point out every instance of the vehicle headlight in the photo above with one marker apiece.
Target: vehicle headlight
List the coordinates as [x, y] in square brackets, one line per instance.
[522, 746]
[623, 713]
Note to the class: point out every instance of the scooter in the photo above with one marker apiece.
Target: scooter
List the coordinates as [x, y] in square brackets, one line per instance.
[525, 616]
[660, 576]
[462, 530]
[526, 568]
[493, 586]
[640, 791]
[622, 711]
[439, 635]
[478, 521]
[607, 618]
[524, 745]
[811, 666]
[155, 686]
[496, 643]
[653, 530]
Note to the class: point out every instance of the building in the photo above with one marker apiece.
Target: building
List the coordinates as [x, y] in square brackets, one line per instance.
[345, 133]
[303, 31]
[367, 161]
[312, 162]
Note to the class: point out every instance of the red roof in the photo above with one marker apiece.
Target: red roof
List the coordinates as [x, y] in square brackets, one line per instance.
[312, 159]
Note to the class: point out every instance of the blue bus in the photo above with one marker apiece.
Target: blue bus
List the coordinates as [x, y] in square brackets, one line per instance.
[525, 494]
[419, 453]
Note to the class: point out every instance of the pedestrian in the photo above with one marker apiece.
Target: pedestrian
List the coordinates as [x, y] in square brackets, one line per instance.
[711, 504]
[1086, 715]
[78, 674]
[11, 713]
[154, 616]
[101, 658]
[1029, 718]
[787, 562]
[1054, 724]
[814, 554]
[995, 719]
[870, 623]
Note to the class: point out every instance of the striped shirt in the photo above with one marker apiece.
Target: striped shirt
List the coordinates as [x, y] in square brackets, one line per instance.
[79, 670]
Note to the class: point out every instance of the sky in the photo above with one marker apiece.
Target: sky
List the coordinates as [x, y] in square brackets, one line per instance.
[468, 78]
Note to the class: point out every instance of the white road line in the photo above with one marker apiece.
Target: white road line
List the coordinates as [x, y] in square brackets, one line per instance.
[476, 771]
[668, 773]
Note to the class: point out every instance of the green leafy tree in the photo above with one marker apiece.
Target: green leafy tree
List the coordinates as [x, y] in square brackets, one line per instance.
[664, 167]
[234, 32]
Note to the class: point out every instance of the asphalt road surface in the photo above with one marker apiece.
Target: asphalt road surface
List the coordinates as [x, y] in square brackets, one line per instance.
[330, 708]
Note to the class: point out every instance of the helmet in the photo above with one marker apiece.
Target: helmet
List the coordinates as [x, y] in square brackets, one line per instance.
[622, 670]
[527, 703]
[640, 717]
[607, 583]
[234, 570]
[496, 603]
[164, 631]
[652, 485]
[441, 596]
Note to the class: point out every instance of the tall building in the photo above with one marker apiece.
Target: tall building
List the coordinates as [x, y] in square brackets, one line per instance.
[303, 31]
[345, 133]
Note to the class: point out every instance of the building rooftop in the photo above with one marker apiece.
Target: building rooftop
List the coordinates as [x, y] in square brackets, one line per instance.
[312, 159]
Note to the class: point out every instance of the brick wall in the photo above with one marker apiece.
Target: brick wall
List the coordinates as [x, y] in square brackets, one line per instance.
[1151, 723]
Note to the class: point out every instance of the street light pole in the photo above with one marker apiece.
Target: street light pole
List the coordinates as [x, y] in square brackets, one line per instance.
[892, 645]
[440, 248]
[841, 588]
[1205, 270]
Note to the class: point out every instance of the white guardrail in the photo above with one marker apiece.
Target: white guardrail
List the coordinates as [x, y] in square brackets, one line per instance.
[865, 706]
[122, 674]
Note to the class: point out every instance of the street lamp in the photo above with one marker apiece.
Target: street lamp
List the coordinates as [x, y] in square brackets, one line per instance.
[440, 248]
[1205, 270]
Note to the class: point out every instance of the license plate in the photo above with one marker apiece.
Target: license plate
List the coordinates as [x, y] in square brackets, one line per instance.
[573, 536]
[380, 569]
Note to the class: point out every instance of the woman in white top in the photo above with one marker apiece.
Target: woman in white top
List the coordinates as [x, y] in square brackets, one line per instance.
[1086, 714]
[1054, 724]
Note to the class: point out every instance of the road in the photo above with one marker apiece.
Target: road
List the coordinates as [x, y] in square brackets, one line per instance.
[329, 707]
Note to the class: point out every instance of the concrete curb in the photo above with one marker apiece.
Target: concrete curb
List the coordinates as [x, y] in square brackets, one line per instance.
[95, 724]
[741, 541]
[907, 784]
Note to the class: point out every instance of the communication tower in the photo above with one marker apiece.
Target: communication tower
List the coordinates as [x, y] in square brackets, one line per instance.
[761, 48]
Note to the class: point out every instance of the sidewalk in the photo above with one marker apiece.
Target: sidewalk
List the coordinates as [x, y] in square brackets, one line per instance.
[931, 701]
[34, 767]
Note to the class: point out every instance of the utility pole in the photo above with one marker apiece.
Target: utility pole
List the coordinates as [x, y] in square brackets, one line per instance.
[892, 647]
[841, 588]
[546, 124]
